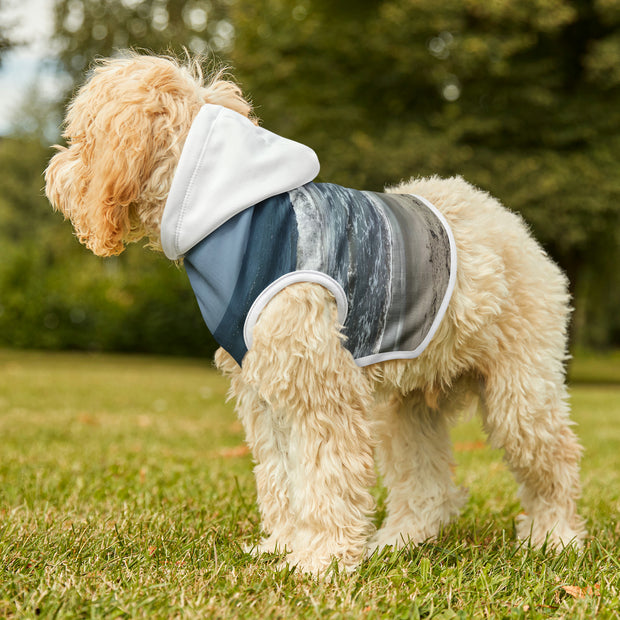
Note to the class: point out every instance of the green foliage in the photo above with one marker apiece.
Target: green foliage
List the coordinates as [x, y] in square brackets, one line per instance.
[124, 492]
[6, 42]
[500, 92]
[89, 28]
[54, 294]
[520, 98]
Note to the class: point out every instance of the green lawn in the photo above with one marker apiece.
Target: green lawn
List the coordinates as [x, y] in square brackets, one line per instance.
[125, 491]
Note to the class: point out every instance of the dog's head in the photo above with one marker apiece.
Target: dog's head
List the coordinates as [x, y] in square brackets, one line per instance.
[125, 129]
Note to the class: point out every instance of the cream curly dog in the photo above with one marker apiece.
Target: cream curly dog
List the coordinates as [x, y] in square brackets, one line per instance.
[319, 393]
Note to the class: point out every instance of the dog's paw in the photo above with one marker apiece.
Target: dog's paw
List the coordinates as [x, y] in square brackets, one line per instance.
[550, 532]
[270, 544]
[323, 566]
[397, 538]
[409, 526]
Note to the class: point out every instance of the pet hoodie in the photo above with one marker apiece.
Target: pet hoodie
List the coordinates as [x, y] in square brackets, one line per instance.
[246, 217]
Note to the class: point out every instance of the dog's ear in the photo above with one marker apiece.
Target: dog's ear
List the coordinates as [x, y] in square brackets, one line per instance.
[121, 149]
[97, 180]
[125, 130]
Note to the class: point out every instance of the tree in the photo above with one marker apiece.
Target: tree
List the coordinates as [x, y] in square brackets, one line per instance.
[522, 99]
[86, 29]
[55, 294]
[6, 42]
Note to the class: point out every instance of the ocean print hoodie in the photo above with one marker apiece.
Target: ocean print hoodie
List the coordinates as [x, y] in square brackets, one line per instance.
[246, 217]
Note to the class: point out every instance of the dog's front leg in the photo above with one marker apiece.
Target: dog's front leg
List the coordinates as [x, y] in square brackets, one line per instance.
[318, 401]
[266, 434]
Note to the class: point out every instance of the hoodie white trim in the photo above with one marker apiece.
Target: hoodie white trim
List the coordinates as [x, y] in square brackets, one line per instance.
[295, 277]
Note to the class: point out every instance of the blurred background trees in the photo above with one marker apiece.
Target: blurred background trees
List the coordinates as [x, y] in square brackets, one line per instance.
[6, 42]
[520, 98]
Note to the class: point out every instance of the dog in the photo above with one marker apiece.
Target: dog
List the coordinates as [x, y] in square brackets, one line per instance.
[148, 135]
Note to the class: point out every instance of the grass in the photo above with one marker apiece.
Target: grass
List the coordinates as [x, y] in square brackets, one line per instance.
[125, 492]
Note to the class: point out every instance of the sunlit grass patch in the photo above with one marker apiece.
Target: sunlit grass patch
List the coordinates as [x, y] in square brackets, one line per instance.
[126, 491]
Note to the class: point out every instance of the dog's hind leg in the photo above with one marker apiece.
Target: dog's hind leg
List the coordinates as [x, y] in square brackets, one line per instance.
[319, 399]
[525, 412]
[415, 459]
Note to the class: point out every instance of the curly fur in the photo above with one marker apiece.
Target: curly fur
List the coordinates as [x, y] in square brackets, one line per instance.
[314, 420]
[125, 130]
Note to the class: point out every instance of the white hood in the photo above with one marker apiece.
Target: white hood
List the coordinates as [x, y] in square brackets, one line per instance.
[227, 165]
